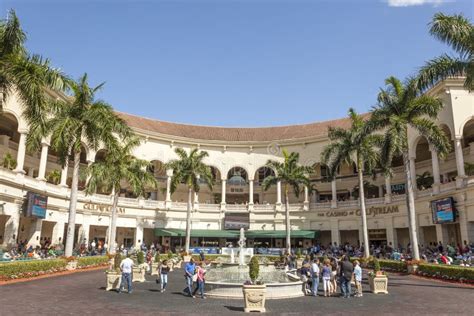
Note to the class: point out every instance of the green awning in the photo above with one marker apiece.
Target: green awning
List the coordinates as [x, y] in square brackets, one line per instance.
[176, 232]
[307, 234]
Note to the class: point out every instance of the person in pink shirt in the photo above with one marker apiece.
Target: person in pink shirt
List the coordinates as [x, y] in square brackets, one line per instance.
[201, 274]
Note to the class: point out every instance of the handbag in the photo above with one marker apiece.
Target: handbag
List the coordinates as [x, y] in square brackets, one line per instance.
[195, 277]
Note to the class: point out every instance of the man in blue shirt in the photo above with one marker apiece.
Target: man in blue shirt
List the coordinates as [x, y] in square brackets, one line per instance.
[189, 270]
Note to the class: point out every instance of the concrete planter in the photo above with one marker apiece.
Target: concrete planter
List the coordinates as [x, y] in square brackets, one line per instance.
[154, 268]
[71, 265]
[254, 297]
[138, 274]
[378, 284]
[412, 268]
[113, 280]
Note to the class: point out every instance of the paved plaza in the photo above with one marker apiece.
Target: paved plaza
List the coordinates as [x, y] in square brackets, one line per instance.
[83, 293]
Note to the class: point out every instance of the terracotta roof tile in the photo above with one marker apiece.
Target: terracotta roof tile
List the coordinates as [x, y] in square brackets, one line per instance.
[233, 134]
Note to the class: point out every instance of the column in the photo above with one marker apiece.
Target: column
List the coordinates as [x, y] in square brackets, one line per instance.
[169, 174]
[442, 234]
[306, 199]
[10, 234]
[436, 175]
[35, 232]
[43, 161]
[83, 234]
[391, 233]
[459, 162]
[20, 157]
[278, 201]
[196, 197]
[139, 233]
[223, 182]
[465, 227]
[334, 194]
[380, 191]
[58, 233]
[64, 175]
[89, 163]
[335, 234]
[388, 190]
[250, 194]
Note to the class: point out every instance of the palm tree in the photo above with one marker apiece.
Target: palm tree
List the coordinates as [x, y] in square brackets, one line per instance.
[458, 32]
[78, 121]
[290, 174]
[354, 145]
[28, 75]
[119, 168]
[400, 107]
[188, 169]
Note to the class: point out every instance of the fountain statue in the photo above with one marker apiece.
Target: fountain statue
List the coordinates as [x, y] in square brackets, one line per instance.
[241, 247]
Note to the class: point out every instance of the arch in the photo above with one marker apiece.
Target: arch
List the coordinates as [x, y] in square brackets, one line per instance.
[422, 150]
[157, 168]
[227, 172]
[463, 124]
[22, 125]
[237, 176]
[100, 155]
[448, 132]
[468, 132]
[9, 126]
[262, 172]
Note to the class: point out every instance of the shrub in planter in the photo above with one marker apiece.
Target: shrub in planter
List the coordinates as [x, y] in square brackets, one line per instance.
[254, 269]
[114, 275]
[140, 258]
[254, 291]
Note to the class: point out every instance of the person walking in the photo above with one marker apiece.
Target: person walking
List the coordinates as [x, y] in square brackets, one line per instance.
[347, 269]
[326, 275]
[189, 270]
[200, 279]
[163, 271]
[358, 278]
[126, 267]
[315, 277]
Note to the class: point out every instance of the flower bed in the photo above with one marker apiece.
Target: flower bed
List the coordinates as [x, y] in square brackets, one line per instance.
[85, 262]
[27, 269]
[447, 272]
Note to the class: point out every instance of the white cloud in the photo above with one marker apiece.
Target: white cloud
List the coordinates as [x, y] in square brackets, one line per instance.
[409, 3]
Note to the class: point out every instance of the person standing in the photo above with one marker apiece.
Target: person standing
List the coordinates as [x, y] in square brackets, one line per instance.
[315, 277]
[189, 271]
[358, 278]
[334, 267]
[126, 267]
[163, 271]
[326, 275]
[346, 276]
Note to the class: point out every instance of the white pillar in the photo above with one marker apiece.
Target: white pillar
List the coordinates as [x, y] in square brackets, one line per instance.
[335, 234]
[223, 203]
[20, 157]
[250, 194]
[43, 161]
[306, 199]
[334, 193]
[388, 190]
[64, 175]
[278, 202]
[436, 175]
[35, 232]
[138, 233]
[459, 162]
[89, 163]
[58, 233]
[10, 234]
[169, 174]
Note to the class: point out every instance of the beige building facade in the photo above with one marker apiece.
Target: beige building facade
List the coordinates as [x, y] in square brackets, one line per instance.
[238, 157]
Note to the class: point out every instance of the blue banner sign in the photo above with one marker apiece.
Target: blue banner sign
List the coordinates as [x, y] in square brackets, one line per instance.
[443, 211]
[37, 205]
[205, 250]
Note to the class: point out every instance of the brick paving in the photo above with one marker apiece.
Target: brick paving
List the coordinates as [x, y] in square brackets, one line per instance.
[83, 293]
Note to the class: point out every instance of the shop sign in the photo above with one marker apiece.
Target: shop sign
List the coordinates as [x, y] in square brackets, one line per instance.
[371, 211]
[102, 208]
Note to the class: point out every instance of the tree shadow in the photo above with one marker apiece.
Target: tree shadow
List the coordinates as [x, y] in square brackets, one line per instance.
[234, 308]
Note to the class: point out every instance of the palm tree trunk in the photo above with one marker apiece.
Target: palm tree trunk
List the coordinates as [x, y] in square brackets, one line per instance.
[188, 220]
[71, 226]
[113, 222]
[411, 209]
[288, 227]
[363, 212]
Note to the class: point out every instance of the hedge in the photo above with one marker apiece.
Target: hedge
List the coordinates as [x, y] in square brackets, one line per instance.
[447, 272]
[92, 261]
[390, 265]
[24, 269]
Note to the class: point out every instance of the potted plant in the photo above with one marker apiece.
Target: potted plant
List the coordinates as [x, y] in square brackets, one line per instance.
[113, 273]
[254, 291]
[71, 263]
[54, 177]
[9, 162]
[155, 264]
[412, 266]
[140, 269]
[378, 280]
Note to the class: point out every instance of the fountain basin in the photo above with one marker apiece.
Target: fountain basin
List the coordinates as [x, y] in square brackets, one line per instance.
[273, 290]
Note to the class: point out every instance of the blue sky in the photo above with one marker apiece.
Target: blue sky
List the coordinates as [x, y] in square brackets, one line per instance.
[236, 63]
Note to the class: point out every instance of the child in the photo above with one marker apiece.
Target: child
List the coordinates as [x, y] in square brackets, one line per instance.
[358, 278]
[326, 273]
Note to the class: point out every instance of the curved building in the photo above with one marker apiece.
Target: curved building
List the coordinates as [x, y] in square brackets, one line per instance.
[328, 214]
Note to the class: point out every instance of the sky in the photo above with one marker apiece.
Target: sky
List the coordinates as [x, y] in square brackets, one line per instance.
[236, 62]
